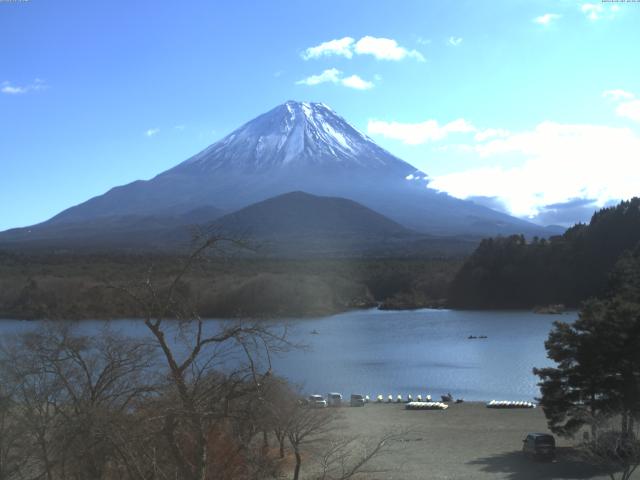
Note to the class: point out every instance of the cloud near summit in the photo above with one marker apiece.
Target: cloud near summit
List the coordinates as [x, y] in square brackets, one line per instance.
[546, 173]
[379, 47]
[551, 164]
[418, 133]
[333, 75]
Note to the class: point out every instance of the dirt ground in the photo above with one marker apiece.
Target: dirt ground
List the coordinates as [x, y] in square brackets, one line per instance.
[466, 441]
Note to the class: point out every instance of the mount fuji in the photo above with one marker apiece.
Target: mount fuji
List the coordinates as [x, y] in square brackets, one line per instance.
[297, 146]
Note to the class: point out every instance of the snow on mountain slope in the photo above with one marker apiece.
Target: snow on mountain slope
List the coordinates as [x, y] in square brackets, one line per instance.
[297, 134]
[298, 146]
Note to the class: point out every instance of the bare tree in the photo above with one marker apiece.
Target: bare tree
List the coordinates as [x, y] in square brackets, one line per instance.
[74, 397]
[317, 433]
[203, 397]
[11, 435]
[350, 457]
[306, 425]
[34, 398]
[279, 401]
[187, 402]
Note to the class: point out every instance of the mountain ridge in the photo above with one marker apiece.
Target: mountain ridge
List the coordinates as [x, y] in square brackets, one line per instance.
[296, 146]
[292, 225]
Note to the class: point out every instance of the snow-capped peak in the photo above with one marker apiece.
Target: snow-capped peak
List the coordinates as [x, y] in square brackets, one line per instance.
[294, 134]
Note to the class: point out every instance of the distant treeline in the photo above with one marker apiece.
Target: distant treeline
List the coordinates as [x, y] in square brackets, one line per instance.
[510, 272]
[80, 286]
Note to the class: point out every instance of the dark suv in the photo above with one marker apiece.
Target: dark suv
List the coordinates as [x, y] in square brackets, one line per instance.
[539, 445]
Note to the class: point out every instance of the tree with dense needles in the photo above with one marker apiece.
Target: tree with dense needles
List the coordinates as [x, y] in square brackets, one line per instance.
[597, 378]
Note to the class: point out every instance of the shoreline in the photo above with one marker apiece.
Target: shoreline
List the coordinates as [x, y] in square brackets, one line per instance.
[307, 316]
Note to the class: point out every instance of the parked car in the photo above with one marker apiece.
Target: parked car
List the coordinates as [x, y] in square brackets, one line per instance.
[357, 400]
[335, 399]
[317, 401]
[539, 445]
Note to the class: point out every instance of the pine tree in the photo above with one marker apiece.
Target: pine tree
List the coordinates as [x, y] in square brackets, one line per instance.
[598, 359]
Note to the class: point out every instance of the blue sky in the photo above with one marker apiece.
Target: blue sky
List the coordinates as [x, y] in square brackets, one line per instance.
[528, 106]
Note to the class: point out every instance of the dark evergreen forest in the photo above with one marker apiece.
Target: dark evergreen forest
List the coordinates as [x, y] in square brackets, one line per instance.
[511, 272]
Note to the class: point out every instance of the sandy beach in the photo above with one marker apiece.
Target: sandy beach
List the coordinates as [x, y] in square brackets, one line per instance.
[466, 441]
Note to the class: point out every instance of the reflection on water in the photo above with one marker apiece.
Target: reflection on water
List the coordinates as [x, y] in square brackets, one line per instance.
[405, 352]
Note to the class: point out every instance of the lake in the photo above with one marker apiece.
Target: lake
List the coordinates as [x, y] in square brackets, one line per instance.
[404, 352]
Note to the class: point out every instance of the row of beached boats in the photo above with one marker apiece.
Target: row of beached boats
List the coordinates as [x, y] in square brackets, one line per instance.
[401, 399]
[509, 404]
[426, 406]
[412, 403]
[425, 403]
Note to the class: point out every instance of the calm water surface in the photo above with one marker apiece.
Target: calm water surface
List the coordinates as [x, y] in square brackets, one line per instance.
[404, 352]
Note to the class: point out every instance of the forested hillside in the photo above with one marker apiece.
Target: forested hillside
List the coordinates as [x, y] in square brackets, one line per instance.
[510, 272]
[78, 286]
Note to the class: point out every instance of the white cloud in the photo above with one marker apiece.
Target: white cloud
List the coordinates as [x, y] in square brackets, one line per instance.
[333, 75]
[592, 10]
[454, 41]
[546, 19]
[597, 11]
[630, 110]
[11, 90]
[180, 127]
[354, 81]
[628, 106]
[341, 47]
[431, 130]
[8, 88]
[618, 94]
[380, 48]
[531, 171]
[385, 49]
[151, 132]
[329, 75]
[488, 133]
[554, 163]
[417, 133]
